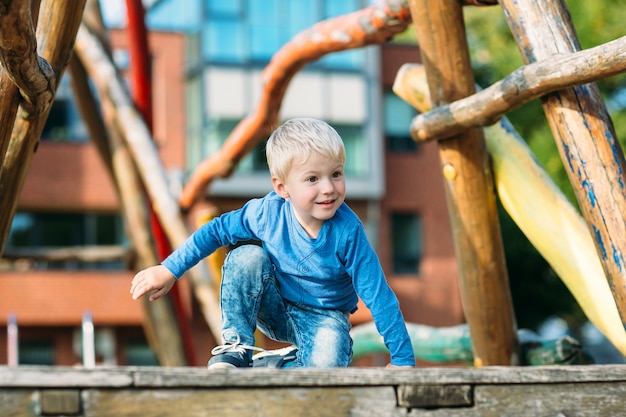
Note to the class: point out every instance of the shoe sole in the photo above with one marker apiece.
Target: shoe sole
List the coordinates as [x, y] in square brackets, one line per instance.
[221, 365]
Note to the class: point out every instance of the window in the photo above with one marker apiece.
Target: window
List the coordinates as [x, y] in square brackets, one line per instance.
[406, 238]
[36, 352]
[66, 230]
[357, 161]
[139, 353]
[252, 31]
[64, 122]
[219, 130]
[398, 117]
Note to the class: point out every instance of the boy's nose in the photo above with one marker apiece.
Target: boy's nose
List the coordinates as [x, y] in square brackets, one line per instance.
[327, 186]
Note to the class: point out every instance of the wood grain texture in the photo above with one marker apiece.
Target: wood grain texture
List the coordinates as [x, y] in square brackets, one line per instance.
[551, 391]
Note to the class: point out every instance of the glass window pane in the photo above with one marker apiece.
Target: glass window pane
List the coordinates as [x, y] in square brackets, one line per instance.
[397, 122]
[302, 15]
[60, 230]
[64, 122]
[265, 40]
[352, 60]
[264, 10]
[406, 242]
[139, 353]
[107, 229]
[224, 8]
[357, 156]
[267, 20]
[398, 115]
[223, 41]
[334, 8]
[39, 352]
[219, 131]
[21, 227]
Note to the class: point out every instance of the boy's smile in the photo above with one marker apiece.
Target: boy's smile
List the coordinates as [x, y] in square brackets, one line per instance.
[316, 187]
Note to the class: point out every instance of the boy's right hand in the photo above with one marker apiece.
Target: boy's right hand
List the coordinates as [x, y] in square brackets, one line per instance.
[157, 280]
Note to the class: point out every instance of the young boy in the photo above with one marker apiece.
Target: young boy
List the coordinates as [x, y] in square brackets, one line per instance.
[302, 284]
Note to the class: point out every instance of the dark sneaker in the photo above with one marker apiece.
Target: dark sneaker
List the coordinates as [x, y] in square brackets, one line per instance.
[232, 355]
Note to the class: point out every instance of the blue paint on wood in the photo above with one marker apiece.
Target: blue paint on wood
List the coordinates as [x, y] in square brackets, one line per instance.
[598, 236]
[618, 156]
[566, 152]
[591, 195]
[618, 258]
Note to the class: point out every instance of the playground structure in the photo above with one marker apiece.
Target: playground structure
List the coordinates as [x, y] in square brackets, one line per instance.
[586, 140]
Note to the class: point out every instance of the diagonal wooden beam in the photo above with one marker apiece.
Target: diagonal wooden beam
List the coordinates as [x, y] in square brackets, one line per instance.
[143, 151]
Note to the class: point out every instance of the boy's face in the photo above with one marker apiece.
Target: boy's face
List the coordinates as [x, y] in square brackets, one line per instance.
[316, 187]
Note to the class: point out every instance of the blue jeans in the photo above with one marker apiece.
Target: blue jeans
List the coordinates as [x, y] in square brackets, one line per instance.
[250, 299]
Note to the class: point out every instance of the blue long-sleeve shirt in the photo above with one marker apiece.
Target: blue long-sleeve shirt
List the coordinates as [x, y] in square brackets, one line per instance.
[330, 271]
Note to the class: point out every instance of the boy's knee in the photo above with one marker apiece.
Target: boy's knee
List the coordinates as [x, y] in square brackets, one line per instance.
[247, 254]
[246, 262]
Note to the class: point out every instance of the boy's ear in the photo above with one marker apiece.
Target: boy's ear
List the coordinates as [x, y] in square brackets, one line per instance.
[279, 187]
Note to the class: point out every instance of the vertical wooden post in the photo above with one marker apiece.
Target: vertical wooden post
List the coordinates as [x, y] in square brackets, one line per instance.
[469, 187]
[584, 135]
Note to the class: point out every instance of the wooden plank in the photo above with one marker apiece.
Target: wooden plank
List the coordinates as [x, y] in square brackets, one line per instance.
[590, 390]
[431, 396]
[64, 377]
[562, 400]
[16, 403]
[584, 135]
[295, 402]
[60, 402]
[550, 400]
[176, 377]
[469, 186]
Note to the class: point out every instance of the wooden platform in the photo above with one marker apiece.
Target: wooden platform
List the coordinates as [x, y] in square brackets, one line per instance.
[551, 391]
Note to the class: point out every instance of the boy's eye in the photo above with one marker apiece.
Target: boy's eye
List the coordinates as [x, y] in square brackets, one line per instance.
[311, 179]
[336, 174]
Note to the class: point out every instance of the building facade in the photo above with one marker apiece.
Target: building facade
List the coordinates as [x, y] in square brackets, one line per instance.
[205, 80]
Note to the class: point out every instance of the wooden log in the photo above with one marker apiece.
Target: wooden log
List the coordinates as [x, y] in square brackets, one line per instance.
[469, 188]
[145, 156]
[32, 74]
[583, 133]
[58, 22]
[9, 102]
[523, 85]
[160, 324]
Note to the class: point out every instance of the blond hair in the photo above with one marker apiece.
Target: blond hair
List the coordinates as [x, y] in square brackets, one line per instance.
[299, 138]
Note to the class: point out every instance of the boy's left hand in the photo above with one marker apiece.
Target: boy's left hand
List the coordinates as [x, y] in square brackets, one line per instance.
[156, 280]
